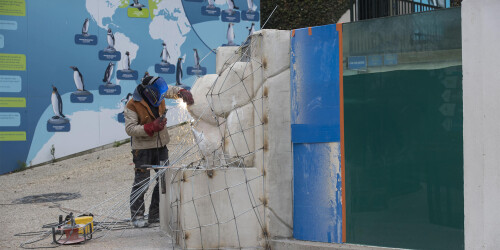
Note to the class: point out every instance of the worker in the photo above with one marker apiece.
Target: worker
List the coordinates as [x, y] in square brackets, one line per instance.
[145, 123]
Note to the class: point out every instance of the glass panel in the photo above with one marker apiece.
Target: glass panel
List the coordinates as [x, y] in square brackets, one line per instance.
[403, 131]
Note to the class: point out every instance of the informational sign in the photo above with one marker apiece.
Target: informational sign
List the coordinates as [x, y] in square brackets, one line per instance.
[65, 78]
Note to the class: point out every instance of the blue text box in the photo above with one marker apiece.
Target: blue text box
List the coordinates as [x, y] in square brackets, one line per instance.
[357, 62]
[2, 41]
[8, 25]
[10, 83]
[10, 119]
[230, 17]
[390, 59]
[376, 60]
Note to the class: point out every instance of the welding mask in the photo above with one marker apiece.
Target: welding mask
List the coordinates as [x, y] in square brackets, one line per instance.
[155, 89]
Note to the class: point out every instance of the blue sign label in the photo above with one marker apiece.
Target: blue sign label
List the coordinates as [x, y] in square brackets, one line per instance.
[85, 40]
[165, 68]
[230, 17]
[58, 127]
[357, 62]
[109, 56]
[81, 97]
[390, 59]
[110, 89]
[120, 117]
[374, 61]
[127, 74]
[248, 15]
[196, 71]
[197, 1]
[229, 45]
[207, 11]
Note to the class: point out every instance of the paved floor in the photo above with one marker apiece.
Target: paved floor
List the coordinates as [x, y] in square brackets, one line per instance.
[96, 177]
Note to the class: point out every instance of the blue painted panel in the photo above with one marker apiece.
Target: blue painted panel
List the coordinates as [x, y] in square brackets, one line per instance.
[317, 210]
[315, 118]
[306, 133]
[315, 77]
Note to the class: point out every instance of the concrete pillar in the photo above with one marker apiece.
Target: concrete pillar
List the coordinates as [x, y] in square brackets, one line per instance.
[481, 99]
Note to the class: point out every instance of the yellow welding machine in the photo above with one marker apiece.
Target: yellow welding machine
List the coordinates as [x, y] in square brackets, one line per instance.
[82, 221]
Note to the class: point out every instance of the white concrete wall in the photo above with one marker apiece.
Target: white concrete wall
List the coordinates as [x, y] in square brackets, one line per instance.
[481, 99]
[250, 100]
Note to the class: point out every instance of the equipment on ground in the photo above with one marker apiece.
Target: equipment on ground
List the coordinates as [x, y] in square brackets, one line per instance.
[73, 230]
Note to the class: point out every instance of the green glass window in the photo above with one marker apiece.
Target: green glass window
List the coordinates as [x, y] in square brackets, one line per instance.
[403, 131]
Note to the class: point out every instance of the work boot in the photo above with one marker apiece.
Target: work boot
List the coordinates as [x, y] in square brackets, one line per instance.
[153, 218]
[139, 222]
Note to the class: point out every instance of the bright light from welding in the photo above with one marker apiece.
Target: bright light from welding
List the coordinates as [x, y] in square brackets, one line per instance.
[182, 104]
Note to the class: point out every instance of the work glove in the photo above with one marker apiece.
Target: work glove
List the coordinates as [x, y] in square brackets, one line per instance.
[155, 126]
[187, 97]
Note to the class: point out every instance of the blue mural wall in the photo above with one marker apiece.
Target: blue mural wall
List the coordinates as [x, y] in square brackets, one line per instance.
[315, 114]
[44, 105]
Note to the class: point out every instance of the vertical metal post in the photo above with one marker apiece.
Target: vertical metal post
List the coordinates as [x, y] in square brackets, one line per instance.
[352, 11]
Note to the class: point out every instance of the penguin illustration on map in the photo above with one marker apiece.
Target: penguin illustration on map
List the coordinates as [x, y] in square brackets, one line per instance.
[211, 4]
[164, 55]
[58, 122]
[251, 29]
[111, 41]
[78, 79]
[231, 7]
[196, 59]
[85, 28]
[109, 88]
[110, 53]
[137, 5]
[230, 35]
[108, 73]
[197, 69]
[81, 95]
[179, 74]
[126, 73]
[127, 61]
[57, 104]
[251, 6]
[85, 38]
[164, 67]
[210, 9]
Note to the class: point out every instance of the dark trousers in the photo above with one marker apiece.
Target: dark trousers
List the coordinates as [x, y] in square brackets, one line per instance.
[146, 157]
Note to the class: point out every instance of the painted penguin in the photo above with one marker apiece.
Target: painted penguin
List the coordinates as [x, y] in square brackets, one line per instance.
[232, 7]
[57, 105]
[108, 73]
[164, 54]
[251, 29]
[85, 28]
[127, 98]
[178, 73]
[127, 60]
[230, 34]
[196, 59]
[251, 6]
[111, 40]
[137, 5]
[211, 4]
[77, 76]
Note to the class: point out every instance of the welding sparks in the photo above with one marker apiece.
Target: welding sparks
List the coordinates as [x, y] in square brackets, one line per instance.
[181, 104]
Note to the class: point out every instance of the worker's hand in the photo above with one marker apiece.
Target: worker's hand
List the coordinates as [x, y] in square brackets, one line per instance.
[155, 126]
[187, 97]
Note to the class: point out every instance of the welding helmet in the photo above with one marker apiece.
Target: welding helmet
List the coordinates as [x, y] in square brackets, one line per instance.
[155, 89]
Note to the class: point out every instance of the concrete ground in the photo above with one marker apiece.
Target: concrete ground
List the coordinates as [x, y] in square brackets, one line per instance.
[97, 177]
